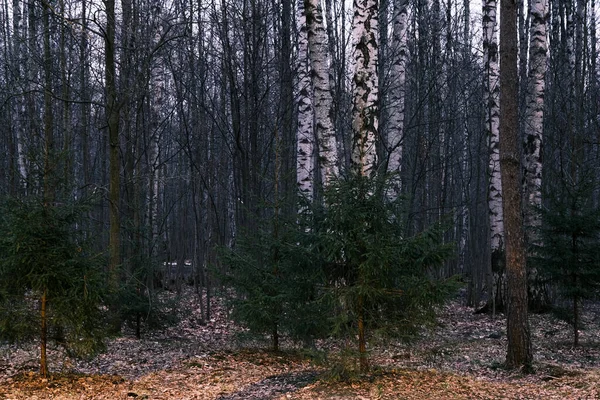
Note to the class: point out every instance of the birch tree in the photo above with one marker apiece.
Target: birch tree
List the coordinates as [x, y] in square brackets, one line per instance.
[364, 116]
[19, 105]
[491, 96]
[519, 352]
[533, 126]
[322, 100]
[534, 111]
[366, 88]
[395, 134]
[305, 162]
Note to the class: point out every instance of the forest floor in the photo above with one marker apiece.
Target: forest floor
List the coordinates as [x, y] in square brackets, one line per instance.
[460, 359]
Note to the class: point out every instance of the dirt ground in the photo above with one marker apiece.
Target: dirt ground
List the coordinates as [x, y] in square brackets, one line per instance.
[461, 359]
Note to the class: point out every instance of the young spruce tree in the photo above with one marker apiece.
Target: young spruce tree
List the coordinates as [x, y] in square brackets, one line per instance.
[380, 280]
[344, 269]
[569, 253]
[277, 278]
[51, 286]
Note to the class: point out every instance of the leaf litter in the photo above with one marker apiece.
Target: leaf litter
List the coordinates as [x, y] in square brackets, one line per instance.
[460, 359]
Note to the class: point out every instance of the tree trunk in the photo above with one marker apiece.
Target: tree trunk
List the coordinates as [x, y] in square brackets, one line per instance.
[112, 115]
[48, 188]
[519, 354]
[362, 341]
[364, 120]
[48, 173]
[366, 87]
[323, 102]
[575, 317]
[305, 143]
[67, 120]
[286, 105]
[19, 103]
[532, 141]
[43, 334]
[395, 134]
[491, 95]
[158, 89]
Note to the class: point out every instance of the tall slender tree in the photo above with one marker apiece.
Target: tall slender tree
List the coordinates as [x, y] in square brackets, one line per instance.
[519, 353]
[532, 139]
[364, 117]
[48, 171]
[322, 99]
[112, 111]
[395, 132]
[305, 161]
[491, 95]
[365, 110]
[19, 102]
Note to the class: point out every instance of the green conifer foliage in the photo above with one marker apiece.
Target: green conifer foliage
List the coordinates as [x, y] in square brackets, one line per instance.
[51, 286]
[277, 279]
[140, 306]
[569, 254]
[381, 280]
[342, 269]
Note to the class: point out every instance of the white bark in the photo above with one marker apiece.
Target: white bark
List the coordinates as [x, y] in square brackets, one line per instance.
[397, 93]
[323, 102]
[366, 86]
[305, 161]
[492, 123]
[534, 110]
[19, 104]
[159, 95]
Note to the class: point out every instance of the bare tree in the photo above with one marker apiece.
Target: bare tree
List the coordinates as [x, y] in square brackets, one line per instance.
[112, 118]
[49, 188]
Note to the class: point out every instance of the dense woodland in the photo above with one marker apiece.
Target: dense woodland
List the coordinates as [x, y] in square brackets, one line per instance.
[150, 145]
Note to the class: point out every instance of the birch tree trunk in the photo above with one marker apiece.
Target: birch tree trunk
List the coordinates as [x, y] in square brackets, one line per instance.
[397, 93]
[364, 116]
[519, 353]
[491, 95]
[305, 143]
[323, 102]
[19, 104]
[366, 86]
[534, 111]
[158, 89]
[532, 141]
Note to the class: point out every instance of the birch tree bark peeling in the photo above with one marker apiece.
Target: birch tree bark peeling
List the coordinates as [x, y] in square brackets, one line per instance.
[534, 111]
[323, 102]
[305, 139]
[397, 93]
[366, 86]
[532, 141]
